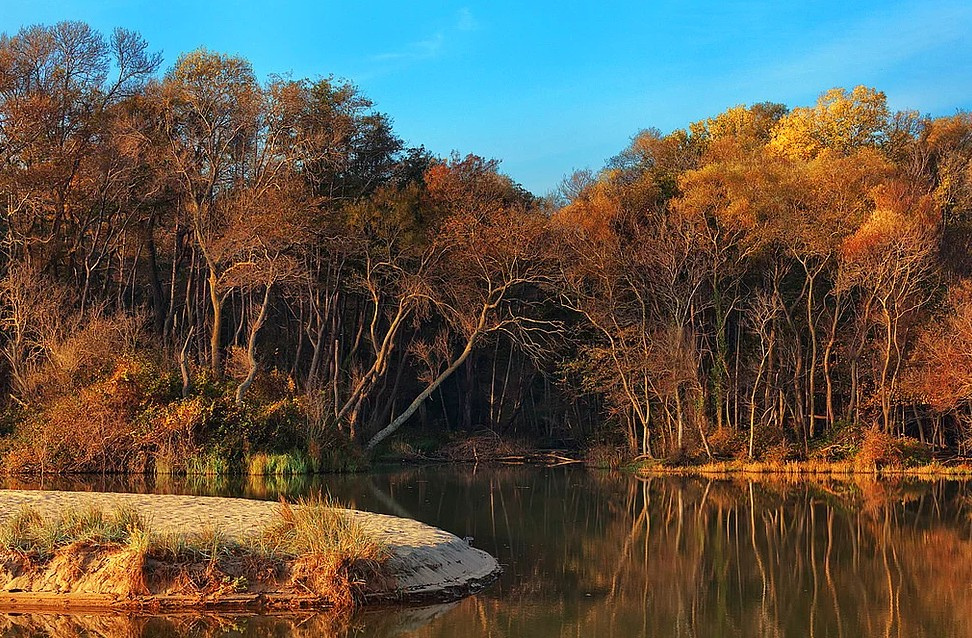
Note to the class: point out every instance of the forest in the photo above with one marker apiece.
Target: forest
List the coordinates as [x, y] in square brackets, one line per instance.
[202, 272]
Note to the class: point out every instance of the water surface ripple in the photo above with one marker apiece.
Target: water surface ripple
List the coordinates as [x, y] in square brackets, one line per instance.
[600, 554]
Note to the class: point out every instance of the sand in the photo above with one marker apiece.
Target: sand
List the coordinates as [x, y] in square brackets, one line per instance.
[427, 563]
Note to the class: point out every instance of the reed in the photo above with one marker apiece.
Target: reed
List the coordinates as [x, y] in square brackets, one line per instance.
[210, 463]
[289, 464]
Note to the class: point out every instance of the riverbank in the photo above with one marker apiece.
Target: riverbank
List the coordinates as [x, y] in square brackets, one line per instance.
[419, 563]
[958, 470]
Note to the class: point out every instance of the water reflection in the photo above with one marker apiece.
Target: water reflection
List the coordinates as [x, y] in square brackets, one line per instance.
[386, 624]
[600, 554]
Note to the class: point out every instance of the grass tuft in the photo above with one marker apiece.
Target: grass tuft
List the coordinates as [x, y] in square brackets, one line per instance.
[291, 464]
[318, 546]
[208, 464]
[320, 526]
[27, 532]
[330, 552]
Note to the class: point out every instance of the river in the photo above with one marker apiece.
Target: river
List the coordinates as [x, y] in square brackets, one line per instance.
[600, 554]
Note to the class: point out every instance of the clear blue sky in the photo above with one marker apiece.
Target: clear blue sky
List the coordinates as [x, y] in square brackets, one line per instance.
[548, 87]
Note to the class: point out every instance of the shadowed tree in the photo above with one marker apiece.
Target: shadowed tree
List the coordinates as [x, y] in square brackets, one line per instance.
[890, 261]
[211, 115]
[487, 271]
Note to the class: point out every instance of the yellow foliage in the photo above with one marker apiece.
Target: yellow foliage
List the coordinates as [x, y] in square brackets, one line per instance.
[594, 214]
[840, 121]
[747, 126]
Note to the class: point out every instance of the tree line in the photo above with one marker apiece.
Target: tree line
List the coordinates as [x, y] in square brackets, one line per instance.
[195, 259]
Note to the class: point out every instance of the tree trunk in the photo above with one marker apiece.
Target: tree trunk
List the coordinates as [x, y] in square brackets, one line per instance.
[251, 344]
[812, 366]
[184, 364]
[215, 359]
[159, 302]
[828, 352]
[413, 406]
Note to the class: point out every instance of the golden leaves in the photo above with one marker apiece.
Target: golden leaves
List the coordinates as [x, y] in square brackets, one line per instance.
[840, 121]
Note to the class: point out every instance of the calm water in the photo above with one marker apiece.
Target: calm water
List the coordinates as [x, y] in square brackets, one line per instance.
[607, 555]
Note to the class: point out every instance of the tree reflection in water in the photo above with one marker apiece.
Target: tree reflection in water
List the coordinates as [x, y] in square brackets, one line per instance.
[601, 554]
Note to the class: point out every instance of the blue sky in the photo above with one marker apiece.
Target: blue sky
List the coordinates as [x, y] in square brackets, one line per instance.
[548, 87]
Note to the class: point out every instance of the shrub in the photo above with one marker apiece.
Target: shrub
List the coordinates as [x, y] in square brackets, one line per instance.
[877, 450]
[727, 443]
[781, 453]
[126, 413]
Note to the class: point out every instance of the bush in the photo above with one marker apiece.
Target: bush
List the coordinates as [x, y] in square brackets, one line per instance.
[727, 443]
[118, 412]
[88, 353]
[86, 430]
[876, 450]
[781, 453]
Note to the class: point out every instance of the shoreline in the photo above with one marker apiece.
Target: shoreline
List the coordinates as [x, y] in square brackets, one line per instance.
[959, 468]
[838, 469]
[424, 564]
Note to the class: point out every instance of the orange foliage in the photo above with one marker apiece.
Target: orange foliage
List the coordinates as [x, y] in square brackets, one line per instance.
[900, 217]
[941, 367]
[594, 214]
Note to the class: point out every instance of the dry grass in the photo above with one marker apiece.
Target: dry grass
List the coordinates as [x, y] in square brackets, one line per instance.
[869, 452]
[809, 468]
[27, 532]
[312, 549]
[330, 553]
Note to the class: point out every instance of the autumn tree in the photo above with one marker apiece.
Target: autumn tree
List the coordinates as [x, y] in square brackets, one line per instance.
[631, 271]
[487, 270]
[938, 374]
[262, 243]
[890, 260]
[66, 181]
[211, 116]
[841, 120]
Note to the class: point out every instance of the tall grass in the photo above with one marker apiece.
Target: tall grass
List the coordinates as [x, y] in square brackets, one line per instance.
[315, 546]
[27, 532]
[211, 463]
[329, 551]
[290, 464]
[318, 525]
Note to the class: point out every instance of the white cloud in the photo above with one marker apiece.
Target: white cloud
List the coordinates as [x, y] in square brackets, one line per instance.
[874, 46]
[465, 20]
[434, 45]
[420, 50]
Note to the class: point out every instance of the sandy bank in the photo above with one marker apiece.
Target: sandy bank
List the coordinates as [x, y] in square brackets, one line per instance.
[425, 563]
